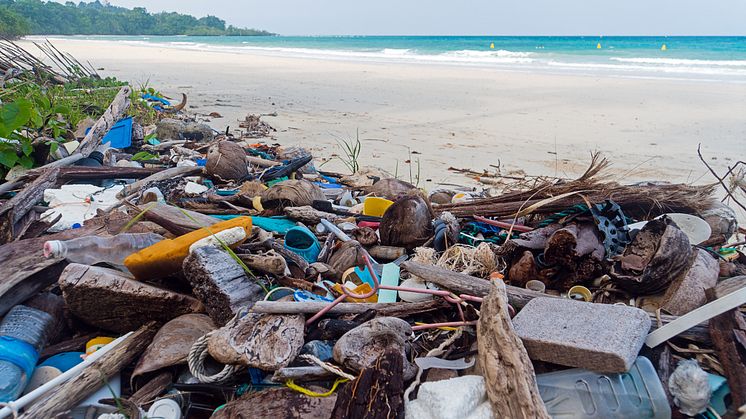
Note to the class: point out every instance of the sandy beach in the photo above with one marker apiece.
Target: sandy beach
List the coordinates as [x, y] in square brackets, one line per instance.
[448, 115]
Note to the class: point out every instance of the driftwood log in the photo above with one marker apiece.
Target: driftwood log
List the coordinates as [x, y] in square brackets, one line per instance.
[152, 389]
[13, 218]
[309, 215]
[300, 374]
[220, 283]
[25, 269]
[383, 309]
[377, 393]
[269, 262]
[111, 116]
[508, 372]
[728, 331]
[108, 299]
[387, 252]
[519, 297]
[105, 172]
[177, 221]
[71, 393]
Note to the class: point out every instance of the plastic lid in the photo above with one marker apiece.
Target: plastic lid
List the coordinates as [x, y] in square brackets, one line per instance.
[52, 248]
[165, 409]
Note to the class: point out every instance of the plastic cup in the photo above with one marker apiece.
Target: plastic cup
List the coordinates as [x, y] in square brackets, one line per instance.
[535, 285]
[375, 206]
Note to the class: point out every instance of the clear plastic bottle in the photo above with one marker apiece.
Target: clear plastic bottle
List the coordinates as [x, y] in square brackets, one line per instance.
[94, 249]
[581, 394]
[23, 333]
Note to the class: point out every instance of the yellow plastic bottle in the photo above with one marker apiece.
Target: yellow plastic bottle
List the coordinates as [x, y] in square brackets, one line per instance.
[165, 257]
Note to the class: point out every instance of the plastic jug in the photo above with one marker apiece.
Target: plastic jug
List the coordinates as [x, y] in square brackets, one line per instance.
[579, 393]
[165, 257]
[23, 333]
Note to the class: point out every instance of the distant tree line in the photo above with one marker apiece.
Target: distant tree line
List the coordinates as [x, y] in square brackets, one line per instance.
[37, 17]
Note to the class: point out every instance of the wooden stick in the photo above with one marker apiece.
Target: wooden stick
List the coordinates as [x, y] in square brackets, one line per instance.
[74, 391]
[728, 332]
[508, 372]
[383, 309]
[16, 208]
[106, 172]
[152, 389]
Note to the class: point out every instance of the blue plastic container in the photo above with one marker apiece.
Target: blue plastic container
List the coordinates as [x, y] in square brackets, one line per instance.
[120, 135]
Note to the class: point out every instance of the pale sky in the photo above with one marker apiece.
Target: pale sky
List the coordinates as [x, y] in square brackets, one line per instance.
[469, 17]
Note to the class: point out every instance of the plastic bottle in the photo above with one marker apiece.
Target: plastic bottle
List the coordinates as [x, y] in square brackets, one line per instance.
[577, 393]
[23, 333]
[94, 249]
[166, 257]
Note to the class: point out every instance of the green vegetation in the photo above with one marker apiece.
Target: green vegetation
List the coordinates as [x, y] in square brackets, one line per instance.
[12, 25]
[37, 17]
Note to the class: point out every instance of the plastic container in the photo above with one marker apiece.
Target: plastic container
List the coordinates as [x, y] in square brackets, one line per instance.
[375, 206]
[303, 242]
[583, 394]
[165, 257]
[94, 249]
[23, 333]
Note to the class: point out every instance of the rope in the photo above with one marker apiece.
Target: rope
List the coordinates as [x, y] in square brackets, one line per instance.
[196, 361]
[311, 393]
[327, 366]
[435, 352]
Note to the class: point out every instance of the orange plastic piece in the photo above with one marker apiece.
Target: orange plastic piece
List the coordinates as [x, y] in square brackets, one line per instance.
[360, 289]
[165, 257]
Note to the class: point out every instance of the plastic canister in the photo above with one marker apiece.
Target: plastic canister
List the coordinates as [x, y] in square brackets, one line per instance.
[166, 257]
[376, 206]
[583, 394]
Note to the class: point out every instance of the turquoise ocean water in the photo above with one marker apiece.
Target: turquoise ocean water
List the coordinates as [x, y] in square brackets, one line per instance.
[704, 58]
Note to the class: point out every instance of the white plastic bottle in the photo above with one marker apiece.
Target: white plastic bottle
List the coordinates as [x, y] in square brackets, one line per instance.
[94, 249]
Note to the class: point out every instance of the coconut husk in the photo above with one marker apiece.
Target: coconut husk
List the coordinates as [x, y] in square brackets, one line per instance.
[659, 253]
[172, 343]
[291, 193]
[389, 188]
[407, 223]
[365, 236]
[226, 161]
[349, 254]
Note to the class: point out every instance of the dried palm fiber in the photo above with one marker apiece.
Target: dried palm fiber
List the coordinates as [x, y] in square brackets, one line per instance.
[291, 193]
[478, 261]
[641, 200]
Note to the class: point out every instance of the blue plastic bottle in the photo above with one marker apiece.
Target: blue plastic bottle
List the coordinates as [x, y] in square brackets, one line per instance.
[23, 333]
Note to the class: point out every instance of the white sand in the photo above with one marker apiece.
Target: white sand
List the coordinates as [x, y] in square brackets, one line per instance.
[453, 116]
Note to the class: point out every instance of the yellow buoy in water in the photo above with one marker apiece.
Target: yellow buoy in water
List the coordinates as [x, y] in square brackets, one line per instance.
[663, 48]
[492, 45]
[598, 46]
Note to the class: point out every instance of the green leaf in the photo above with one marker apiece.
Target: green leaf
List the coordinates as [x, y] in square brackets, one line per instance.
[8, 158]
[53, 147]
[144, 155]
[63, 109]
[14, 115]
[26, 147]
[26, 161]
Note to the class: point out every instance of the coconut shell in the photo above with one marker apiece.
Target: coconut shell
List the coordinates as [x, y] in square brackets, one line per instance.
[390, 188]
[407, 223]
[172, 343]
[226, 161]
[365, 235]
[349, 254]
[291, 193]
[659, 253]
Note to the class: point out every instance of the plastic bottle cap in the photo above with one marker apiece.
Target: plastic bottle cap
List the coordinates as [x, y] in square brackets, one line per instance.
[535, 285]
[52, 248]
[580, 291]
[97, 343]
